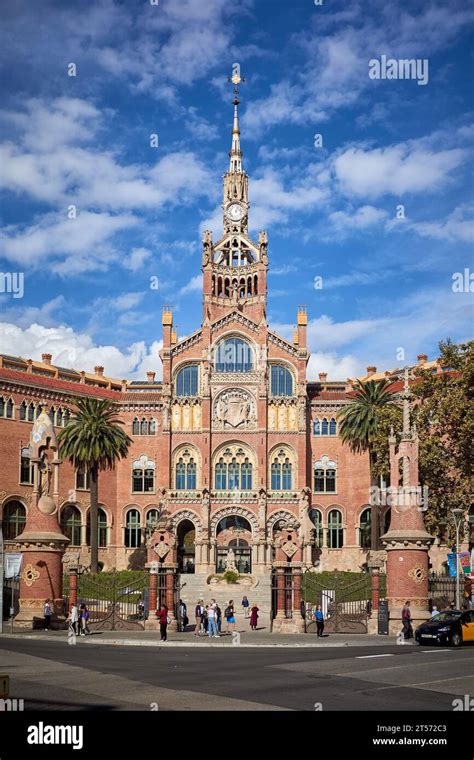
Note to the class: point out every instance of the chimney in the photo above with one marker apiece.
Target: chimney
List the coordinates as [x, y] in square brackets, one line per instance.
[46, 358]
[150, 376]
[302, 322]
[371, 371]
[323, 376]
[99, 371]
[422, 358]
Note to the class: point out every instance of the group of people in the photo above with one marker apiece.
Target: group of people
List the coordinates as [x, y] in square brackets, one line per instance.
[208, 618]
[78, 620]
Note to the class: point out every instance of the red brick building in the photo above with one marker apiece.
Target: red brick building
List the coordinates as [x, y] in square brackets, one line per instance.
[235, 442]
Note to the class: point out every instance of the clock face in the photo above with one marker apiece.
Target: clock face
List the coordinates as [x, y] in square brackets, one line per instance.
[235, 212]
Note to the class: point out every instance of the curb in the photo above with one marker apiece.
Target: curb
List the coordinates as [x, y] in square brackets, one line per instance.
[177, 644]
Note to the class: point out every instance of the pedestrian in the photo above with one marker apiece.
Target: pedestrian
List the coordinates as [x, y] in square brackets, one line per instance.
[205, 618]
[212, 620]
[83, 620]
[229, 614]
[303, 609]
[198, 613]
[434, 611]
[253, 617]
[245, 605]
[140, 608]
[406, 620]
[162, 615]
[219, 619]
[47, 612]
[73, 618]
[319, 618]
[182, 619]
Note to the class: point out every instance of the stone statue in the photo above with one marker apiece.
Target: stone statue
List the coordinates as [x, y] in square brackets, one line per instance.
[271, 417]
[186, 417]
[176, 416]
[196, 416]
[206, 247]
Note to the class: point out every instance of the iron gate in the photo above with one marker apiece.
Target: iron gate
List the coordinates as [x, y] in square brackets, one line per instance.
[346, 603]
[113, 605]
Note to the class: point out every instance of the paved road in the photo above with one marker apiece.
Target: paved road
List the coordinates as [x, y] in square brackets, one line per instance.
[52, 675]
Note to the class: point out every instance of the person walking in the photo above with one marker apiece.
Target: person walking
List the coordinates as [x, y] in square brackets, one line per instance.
[245, 606]
[47, 612]
[198, 614]
[253, 617]
[182, 619]
[212, 620]
[74, 618]
[406, 620]
[229, 613]
[219, 619]
[162, 615]
[83, 620]
[319, 618]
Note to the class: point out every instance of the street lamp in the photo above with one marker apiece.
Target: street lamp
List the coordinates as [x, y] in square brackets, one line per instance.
[458, 515]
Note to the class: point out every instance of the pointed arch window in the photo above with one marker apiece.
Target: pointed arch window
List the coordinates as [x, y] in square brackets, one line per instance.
[31, 413]
[325, 426]
[14, 520]
[281, 381]
[335, 530]
[234, 355]
[26, 470]
[187, 381]
[234, 471]
[132, 529]
[143, 427]
[143, 475]
[325, 475]
[136, 426]
[152, 427]
[317, 519]
[365, 529]
[281, 470]
[23, 411]
[186, 471]
[71, 524]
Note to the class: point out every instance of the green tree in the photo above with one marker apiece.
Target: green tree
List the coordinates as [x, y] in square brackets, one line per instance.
[444, 415]
[93, 439]
[359, 423]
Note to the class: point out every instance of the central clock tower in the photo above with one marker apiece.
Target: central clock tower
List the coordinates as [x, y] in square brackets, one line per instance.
[235, 267]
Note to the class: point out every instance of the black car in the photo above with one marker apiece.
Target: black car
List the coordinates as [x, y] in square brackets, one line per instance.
[447, 627]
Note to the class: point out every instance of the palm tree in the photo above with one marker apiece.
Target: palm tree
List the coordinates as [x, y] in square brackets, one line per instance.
[358, 426]
[93, 439]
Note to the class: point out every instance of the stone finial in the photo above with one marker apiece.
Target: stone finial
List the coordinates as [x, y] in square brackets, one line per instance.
[46, 358]
[150, 376]
[302, 315]
[422, 358]
[323, 376]
[167, 316]
[371, 371]
[99, 371]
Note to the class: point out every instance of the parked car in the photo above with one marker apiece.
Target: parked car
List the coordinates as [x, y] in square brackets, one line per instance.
[448, 627]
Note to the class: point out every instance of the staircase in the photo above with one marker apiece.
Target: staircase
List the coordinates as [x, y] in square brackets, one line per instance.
[195, 587]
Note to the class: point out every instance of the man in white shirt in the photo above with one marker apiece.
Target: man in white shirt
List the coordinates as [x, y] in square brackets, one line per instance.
[212, 620]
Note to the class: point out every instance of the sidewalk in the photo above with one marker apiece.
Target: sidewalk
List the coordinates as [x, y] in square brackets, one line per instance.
[249, 639]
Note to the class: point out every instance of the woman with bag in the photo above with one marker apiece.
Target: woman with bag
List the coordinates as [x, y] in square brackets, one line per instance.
[230, 616]
[162, 615]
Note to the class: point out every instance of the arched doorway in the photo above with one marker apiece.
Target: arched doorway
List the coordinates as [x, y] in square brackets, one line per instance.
[186, 533]
[233, 549]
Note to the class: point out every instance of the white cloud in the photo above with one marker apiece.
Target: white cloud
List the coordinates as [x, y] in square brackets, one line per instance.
[136, 259]
[194, 285]
[394, 170]
[72, 245]
[459, 226]
[360, 219]
[78, 351]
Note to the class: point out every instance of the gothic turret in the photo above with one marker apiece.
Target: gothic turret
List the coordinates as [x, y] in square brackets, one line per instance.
[235, 267]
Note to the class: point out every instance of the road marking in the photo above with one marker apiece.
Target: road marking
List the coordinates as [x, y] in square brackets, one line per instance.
[436, 651]
[369, 656]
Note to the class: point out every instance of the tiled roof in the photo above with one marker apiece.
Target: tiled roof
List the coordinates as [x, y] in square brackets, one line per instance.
[76, 389]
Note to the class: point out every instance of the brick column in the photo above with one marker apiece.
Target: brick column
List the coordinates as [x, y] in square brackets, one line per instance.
[72, 587]
[171, 569]
[280, 583]
[153, 592]
[375, 580]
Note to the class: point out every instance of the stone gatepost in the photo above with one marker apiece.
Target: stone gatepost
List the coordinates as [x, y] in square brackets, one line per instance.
[407, 542]
[42, 543]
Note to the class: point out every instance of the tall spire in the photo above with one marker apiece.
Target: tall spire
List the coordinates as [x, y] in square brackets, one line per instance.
[235, 153]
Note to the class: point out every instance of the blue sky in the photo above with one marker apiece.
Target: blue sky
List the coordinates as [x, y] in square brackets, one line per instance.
[329, 211]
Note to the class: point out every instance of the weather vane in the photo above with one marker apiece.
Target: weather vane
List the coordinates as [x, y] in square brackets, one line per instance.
[236, 79]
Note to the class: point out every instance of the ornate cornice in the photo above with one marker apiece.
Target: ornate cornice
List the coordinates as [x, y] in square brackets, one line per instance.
[282, 343]
[234, 316]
